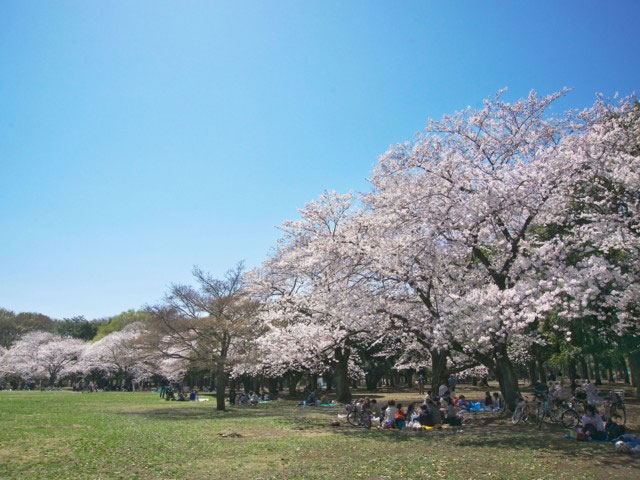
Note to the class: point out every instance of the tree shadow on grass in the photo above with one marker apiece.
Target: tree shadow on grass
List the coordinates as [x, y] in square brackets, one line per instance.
[494, 431]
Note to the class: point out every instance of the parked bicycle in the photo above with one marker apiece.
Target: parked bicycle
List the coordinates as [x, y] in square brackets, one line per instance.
[521, 413]
[557, 410]
[613, 409]
[359, 417]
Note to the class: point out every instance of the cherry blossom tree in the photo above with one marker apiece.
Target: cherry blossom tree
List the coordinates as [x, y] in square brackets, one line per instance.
[42, 355]
[457, 211]
[317, 293]
[116, 356]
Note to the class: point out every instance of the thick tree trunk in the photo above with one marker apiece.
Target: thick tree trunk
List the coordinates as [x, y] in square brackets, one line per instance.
[533, 373]
[292, 381]
[596, 370]
[573, 374]
[341, 375]
[625, 370]
[371, 379]
[507, 378]
[584, 370]
[634, 366]
[438, 370]
[272, 383]
[220, 386]
[328, 379]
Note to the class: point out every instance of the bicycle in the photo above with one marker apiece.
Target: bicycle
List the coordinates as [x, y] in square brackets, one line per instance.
[558, 411]
[359, 417]
[614, 410]
[521, 413]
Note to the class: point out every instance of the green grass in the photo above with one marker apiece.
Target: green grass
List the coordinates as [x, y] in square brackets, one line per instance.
[60, 435]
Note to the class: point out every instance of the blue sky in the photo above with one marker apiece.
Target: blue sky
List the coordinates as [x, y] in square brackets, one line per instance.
[138, 139]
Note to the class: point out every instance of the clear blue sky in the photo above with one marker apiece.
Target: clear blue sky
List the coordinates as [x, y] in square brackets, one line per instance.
[138, 139]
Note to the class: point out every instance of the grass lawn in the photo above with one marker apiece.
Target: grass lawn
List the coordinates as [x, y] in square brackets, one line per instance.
[60, 435]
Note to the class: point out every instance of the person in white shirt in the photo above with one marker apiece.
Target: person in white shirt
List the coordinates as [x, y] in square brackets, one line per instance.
[443, 390]
[390, 413]
[593, 424]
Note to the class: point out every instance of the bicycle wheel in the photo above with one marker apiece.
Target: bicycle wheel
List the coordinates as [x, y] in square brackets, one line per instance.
[618, 414]
[518, 413]
[353, 418]
[555, 414]
[570, 418]
[366, 420]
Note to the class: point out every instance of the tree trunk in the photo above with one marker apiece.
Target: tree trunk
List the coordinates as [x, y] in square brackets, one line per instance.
[596, 370]
[625, 370]
[584, 370]
[634, 366]
[328, 379]
[507, 378]
[438, 369]
[573, 374]
[533, 374]
[292, 383]
[220, 386]
[542, 371]
[341, 375]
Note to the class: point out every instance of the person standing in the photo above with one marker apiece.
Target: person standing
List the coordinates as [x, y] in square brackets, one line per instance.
[421, 384]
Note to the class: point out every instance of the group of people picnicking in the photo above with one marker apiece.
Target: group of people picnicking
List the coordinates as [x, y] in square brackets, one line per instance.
[444, 409]
[249, 398]
[176, 392]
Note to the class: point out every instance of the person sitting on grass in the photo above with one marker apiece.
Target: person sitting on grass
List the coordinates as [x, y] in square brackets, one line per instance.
[399, 417]
[169, 394]
[488, 402]
[411, 412]
[452, 415]
[498, 401]
[375, 408]
[390, 414]
[425, 418]
[443, 390]
[193, 396]
[593, 426]
[462, 402]
[434, 411]
[254, 398]
[310, 401]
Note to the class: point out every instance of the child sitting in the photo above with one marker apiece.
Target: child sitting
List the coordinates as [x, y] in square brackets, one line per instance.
[400, 417]
[462, 402]
[488, 402]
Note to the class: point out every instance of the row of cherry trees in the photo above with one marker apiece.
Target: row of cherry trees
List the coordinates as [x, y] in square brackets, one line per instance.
[495, 233]
[502, 236]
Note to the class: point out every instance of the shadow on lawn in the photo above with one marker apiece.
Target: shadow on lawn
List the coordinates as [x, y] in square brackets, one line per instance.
[492, 432]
